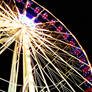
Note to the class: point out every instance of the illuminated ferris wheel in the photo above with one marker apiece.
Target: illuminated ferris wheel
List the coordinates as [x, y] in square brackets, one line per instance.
[53, 60]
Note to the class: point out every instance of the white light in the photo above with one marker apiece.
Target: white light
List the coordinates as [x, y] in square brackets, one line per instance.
[28, 59]
[91, 69]
[28, 52]
[31, 78]
[26, 46]
[27, 21]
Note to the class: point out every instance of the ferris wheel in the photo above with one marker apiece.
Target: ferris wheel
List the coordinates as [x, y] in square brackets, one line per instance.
[53, 60]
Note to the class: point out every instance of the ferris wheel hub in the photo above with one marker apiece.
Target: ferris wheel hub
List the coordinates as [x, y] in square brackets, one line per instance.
[27, 21]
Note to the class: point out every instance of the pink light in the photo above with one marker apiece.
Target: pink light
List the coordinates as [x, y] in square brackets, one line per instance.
[60, 28]
[52, 22]
[45, 16]
[37, 10]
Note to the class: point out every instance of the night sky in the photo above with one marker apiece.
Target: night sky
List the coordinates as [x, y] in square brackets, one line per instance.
[75, 15]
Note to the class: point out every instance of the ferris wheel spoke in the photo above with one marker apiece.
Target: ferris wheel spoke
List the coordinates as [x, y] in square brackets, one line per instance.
[9, 29]
[54, 46]
[75, 79]
[64, 75]
[61, 75]
[82, 77]
[28, 81]
[49, 31]
[8, 14]
[51, 79]
[4, 16]
[41, 72]
[38, 80]
[36, 45]
[2, 90]
[57, 71]
[52, 71]
[41, 33]
[38, 14]
[48, 22]
[73, 69]
[14, 16]
[3, 48]
[79, 74]
[14, 70]
[3, 40]
[4, 19]
[2, 79]
[67, 63]
[11, 25]
[56, 61]
[33, 50]
[8, 43]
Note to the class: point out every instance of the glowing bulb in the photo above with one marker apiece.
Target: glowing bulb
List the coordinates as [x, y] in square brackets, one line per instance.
[31, 78]
[28, 59]
[27, 21]
[28, 52]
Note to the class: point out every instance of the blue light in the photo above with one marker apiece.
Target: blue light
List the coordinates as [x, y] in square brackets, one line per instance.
[27, 21]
